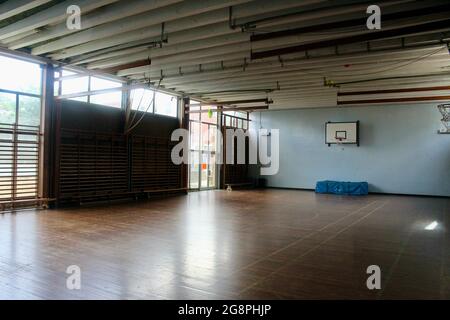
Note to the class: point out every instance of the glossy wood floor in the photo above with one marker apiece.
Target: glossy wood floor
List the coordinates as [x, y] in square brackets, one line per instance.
[256, 244]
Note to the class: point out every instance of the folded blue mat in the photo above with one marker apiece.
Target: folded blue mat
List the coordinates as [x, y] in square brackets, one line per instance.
[338, 187]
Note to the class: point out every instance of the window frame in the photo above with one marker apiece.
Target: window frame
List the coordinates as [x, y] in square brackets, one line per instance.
[153, 109]
[89, 86]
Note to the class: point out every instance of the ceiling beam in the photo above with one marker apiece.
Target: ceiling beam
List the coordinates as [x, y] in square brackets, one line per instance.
[224, 29]
[48, 16]
[392, 100]
[229, 68]
[145, 26]
[151, 18]
[371, 36]
[350, 23]
[12, 8]
[106, 14]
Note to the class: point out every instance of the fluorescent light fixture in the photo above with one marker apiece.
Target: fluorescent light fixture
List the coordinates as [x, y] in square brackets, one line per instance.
[431, 226]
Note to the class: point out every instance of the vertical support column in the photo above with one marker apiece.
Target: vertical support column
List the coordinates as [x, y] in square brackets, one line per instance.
[48, 116]
[184, 123]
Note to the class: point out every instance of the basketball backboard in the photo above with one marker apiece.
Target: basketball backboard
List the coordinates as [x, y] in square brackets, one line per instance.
[342, 133]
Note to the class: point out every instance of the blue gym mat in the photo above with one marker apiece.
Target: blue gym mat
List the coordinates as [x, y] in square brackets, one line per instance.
[339, 187]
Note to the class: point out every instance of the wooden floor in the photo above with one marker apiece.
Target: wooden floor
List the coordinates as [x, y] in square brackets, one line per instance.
[260, 244]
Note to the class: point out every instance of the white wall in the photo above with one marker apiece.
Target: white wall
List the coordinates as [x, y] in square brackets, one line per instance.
[400, 149]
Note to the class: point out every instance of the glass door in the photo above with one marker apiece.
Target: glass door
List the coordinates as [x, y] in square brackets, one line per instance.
[202, 170]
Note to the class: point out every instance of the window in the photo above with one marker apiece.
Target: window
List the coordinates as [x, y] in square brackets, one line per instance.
[7, 108]
[20, 118]
[89, 83]
[165, 104]
[112, 99]
[29, 111]
[142, 100]
[20, 76]
[20, 92]
[76, 85]
[235, 119]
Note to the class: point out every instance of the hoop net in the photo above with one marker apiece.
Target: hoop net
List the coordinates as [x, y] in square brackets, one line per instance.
[444, 109]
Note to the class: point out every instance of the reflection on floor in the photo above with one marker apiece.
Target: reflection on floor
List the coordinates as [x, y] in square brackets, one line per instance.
[256, 244]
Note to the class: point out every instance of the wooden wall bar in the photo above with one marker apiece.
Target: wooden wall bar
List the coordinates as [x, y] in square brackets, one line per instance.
[96, 161]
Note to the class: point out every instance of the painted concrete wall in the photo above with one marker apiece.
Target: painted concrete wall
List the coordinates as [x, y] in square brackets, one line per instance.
[400, 150]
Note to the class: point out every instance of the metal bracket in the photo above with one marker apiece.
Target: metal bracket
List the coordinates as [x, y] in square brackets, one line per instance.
[281, 61]
[230, 18]
[163, 37]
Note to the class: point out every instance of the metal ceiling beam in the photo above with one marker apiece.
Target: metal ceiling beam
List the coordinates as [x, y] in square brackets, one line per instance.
[236, 67]
[151, 18]
[11, 8]
[105, 14]
[350, 23]
[223, 29]
[210, 46]
[327, 69]
[140, 27]
[204, 45]
[398, 32]
[51, 15]
[266, 101]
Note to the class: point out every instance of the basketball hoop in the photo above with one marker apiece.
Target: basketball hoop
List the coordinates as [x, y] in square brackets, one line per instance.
[444, 109]
[339, 140]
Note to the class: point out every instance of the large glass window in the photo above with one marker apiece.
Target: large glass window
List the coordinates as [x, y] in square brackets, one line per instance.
[29, 111]
[76, 85]
[20, 76]
[7, 108]
[89, 83]
[20, 118]
[235, 119]
[164, 104]
[142, 100]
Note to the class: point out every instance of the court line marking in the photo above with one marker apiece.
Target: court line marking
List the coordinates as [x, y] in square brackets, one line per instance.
[312, 249]
[314, 232]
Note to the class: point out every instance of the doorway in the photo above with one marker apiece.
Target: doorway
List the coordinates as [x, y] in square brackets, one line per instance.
[203, 148]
